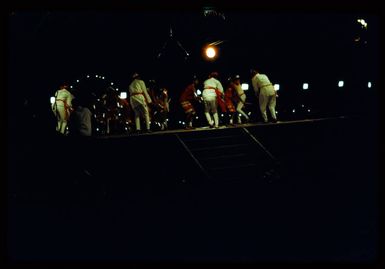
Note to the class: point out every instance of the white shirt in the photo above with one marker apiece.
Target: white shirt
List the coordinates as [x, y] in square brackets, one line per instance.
[211, 83]
[136, 87]
[258, 81]
[63, 97]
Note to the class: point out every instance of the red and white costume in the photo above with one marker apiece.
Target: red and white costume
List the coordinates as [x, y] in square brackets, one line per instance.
[62, 107]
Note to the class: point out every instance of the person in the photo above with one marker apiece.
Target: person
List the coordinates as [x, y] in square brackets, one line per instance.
[188, 95]
[161, 105]
[62, 108]
[139, 100]
[265, 92]
[230, 98]
[81, 119]
[211, 85]
[241, 98]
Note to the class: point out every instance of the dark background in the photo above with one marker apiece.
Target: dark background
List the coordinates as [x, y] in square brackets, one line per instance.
[47, 47]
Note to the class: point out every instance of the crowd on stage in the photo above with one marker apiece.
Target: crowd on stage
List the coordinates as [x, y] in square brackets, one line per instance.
[147, 107]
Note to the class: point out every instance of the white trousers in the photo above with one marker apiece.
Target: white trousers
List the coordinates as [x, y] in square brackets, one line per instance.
[267, 97]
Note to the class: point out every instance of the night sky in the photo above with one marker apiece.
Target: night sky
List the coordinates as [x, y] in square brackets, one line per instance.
[49, 47]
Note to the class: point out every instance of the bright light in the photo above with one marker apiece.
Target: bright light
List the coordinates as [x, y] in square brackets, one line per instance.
[52, 100]
[363, 23]
[197, 117]
[340, 83]
[96, 76]
[199, 92]
[112, 83]
[71, 87]
[305, 86]
[123, 95]
[303, 105]
[210, 52]
[117, 88]
[245, 86]
[102, 77]
[293, 110]
[369, 84]
[88, 76]
[308, 110]
[249, 113]
[276, 87]
[97, 129]
[222, 115]
[77, 80]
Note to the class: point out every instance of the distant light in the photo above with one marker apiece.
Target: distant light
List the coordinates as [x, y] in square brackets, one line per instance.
[276, 112]
[276, 87]
[239, 115]
[363, 23]
[369, 84]
[249, 113]
[308, 110]
[183, 123]
[123, 95]
[52, 100]
[97, 129]
[303, 105]
[340, 83]
[199, 92]
[293, 110]
[71, 87]
[112, 83]
[88, 76]
[180, 122]
[245, 86]
[305, 86]
[77, 80]
[222, 115]
[210, 52]
[102, 77]
[197, 117]
[96, 76]
[117, 88]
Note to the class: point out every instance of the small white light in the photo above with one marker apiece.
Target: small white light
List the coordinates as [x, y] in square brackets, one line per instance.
[199, 92]
[276, 87]
[245, 86]
[305, 86]
[183, 123]
[293, 110]
[112, 83]
[197, 117]
[96, 76]
[276, 112]
[71, 87]
[123, 95]
[369, 84]
[240, 115]
[102, 77]
[303, 105]
[77, 80]
[52, 100]
[88, 76]
[180, 122]
[117, 89]
[222, 115]
[308, 110]
[97, 129]
[249, 113]
[120, 114]
[340, 83]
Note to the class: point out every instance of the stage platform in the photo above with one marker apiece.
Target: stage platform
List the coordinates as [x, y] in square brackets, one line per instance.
[300, 191]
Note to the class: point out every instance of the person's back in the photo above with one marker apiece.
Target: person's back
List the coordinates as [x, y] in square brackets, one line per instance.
[81, 122]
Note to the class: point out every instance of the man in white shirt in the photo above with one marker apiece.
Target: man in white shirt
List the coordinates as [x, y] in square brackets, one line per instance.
[62, 108]
[265, 92]
[211, 85]
[139, 98]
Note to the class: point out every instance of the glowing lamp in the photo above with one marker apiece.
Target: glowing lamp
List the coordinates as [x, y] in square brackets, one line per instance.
[245, 86]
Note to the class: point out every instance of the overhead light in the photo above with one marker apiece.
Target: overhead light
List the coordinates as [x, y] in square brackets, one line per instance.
[52, 100]
[276, 87]
[210, 52]
[305, 86]
[340, 83]
[245, 86]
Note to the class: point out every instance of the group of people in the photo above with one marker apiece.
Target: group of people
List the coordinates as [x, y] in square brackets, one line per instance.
[149, 103]
[230, 100]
